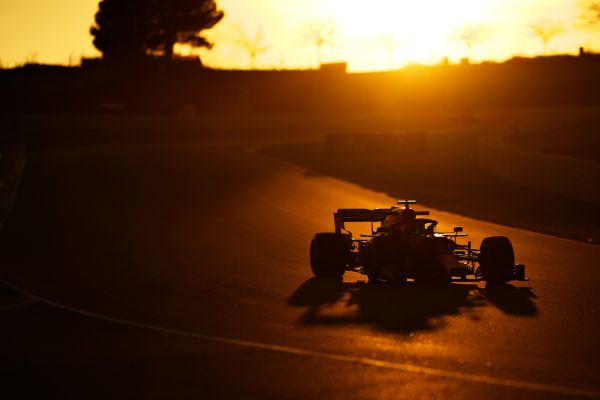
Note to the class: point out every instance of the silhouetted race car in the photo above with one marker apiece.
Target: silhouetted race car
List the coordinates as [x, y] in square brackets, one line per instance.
[403, 246]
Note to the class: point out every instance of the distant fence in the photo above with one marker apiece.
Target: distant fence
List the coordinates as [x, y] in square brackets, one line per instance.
[555, 174]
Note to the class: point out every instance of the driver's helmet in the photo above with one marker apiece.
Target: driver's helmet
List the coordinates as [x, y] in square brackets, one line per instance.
[408, 215]
[402, 221]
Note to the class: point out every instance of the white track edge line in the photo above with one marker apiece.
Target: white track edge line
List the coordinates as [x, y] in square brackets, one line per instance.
[27, 302]
[483, 379]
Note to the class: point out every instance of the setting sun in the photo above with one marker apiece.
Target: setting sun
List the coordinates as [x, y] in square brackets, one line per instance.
[425, 20]
[420, 28]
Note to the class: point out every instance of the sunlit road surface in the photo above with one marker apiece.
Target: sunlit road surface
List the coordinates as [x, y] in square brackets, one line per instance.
[182, 272]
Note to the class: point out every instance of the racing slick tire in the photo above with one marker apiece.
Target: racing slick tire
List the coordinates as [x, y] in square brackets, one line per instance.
[379, 256]
[496, 260]
[372, 264]
[328, 255]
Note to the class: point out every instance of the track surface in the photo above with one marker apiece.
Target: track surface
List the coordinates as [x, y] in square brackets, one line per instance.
[181, 271]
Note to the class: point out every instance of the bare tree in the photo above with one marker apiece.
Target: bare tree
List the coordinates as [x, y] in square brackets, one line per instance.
[253, 45]
[320, 34]
[546, 30]
[590, 16]
[281, 61]
[71, 61]
[471, 35]
[32, 58]
[391, 45]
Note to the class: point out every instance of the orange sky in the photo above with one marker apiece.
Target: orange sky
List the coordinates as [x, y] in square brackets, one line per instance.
[421, 31]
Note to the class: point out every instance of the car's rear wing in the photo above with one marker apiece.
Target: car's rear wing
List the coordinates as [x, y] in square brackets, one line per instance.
[343, 215]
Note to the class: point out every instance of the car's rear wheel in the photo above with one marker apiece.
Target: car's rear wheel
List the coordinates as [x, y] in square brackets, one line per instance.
[496, 260]
[329, 255]
[371, 264]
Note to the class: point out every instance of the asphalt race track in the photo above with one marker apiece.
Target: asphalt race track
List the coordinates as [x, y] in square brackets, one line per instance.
[181, 271]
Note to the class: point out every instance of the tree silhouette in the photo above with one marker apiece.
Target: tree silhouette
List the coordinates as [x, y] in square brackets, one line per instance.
[591, 14]
[253, 46]
[133, 28]
[319, 34]
[471, 35]
[546, 30]
[118, 31]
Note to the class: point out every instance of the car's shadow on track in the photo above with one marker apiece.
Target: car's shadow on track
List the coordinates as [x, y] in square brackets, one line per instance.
[511, 299]
[403, 309]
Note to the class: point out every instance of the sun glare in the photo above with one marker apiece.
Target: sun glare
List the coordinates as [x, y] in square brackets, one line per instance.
[423, 28]
[404, 19]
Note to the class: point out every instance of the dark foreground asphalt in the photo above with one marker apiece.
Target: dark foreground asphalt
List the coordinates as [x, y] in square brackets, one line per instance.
[181, 271]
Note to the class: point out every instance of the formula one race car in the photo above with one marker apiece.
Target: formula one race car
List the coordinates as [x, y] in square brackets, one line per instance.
[403, 247]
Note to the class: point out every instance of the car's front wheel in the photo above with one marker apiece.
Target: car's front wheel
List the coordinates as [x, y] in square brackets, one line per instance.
[496, 260]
